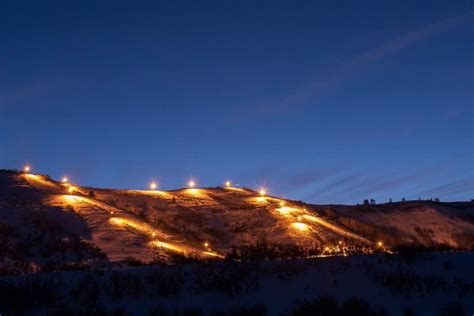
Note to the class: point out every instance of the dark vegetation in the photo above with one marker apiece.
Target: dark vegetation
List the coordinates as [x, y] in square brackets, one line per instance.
[264, 250]
[328, 306]
[109, 292]
[46, 292]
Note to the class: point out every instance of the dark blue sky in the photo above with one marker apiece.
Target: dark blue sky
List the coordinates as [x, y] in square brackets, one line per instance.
[321, 102]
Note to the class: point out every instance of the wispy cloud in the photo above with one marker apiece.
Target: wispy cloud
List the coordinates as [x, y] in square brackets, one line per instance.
[465, 185]
[10, 96]
[339, 183]
[361, 62]
[347, 186]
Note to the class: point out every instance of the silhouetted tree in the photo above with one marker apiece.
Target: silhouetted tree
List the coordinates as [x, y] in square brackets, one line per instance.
[403, 200]
[366, 202]
[372, 201]
[390, 200]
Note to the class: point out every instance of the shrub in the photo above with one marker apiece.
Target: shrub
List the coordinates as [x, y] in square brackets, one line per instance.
[453, 309]
[323, 305]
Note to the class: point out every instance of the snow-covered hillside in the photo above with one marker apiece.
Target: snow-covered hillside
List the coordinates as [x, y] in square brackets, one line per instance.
[106, 226]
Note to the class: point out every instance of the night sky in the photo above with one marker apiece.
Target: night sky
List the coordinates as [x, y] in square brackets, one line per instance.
[320, 102]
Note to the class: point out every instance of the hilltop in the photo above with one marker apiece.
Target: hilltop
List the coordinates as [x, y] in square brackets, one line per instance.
[46, 224]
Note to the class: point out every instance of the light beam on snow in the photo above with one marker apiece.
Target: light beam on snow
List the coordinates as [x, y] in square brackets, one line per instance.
[300, 226]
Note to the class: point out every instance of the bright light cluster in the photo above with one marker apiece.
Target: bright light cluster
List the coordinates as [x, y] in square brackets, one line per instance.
[191, 184]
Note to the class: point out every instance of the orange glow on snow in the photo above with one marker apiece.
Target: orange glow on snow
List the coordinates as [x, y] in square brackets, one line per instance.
[332, 227]
[70, 198]
[168, 246]
[300, 226]
[213, 254]
[196, 192]
[285, 210]
[41, 180]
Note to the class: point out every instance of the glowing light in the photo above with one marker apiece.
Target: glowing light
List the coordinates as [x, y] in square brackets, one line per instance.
[27, 168]
[282, 203]
[327, 249]
[112, 213]
[206, 244]
[153, 234]
[228, 184]
[116, 221]
[191, 183]
[40, 180]
[262, 192]
[380, 244]
[340, 242]
[169, 246]
[64, 180]
[213, 254]
[153, 185]
[300, 226]
[70, 189]
[286, 210]
[299, 218]
[261, 199]
[333, 227]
